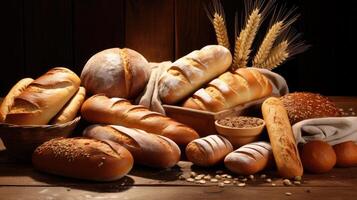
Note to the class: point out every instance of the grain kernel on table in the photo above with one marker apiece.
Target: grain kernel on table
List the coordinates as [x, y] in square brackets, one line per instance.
[241, 184]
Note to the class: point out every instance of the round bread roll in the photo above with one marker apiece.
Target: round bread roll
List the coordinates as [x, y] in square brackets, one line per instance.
[305, 105]
[346, 154]
[318, 157]
[83, 158]
[116, 73]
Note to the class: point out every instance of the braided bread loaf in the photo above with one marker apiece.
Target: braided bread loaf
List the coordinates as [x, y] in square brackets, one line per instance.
[118, 111]
[230, 89]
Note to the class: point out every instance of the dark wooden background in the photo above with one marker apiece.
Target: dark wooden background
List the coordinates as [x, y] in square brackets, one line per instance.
[37, 35]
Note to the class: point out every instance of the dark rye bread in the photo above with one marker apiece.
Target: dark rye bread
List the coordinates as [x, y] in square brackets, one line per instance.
[83, 158]
[306, 105]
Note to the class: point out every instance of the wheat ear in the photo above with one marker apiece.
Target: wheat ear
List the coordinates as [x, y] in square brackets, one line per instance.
[221, 30]
[244, 41]
[277, 56]
[267, 43]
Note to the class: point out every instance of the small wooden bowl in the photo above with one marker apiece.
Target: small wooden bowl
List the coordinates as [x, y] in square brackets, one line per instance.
[22, 140]
[240, 136]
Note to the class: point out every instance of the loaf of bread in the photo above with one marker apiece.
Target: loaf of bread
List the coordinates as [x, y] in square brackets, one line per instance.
[281, 137]
[44, 97]
[147, 149]
[118, 111]
[116, 73]
[192, 71]
[250, 158]
[208, 151]
[15, 91]
[306, 105]
[346, 154]
[83, 158]
[318, 156]
[230, 89]
[70, 110]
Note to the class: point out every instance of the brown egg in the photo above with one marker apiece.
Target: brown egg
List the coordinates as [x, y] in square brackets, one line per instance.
[318, 157]
[346, 153]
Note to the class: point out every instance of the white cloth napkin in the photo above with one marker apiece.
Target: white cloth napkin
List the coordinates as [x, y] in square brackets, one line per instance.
[333, 130]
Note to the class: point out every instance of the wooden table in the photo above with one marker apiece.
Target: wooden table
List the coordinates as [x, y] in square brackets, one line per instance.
[21, 181]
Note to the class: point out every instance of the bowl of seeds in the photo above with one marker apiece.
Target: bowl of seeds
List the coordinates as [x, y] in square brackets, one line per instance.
[240, 130]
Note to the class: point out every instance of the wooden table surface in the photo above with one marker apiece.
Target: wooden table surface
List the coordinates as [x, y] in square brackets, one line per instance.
[21, 181]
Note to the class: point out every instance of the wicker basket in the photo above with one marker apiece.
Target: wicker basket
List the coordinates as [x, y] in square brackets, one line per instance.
[21, 141]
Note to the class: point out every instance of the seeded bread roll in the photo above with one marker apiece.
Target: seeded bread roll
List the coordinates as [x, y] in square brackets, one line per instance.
[147, 149]
[281, 137]
[83, 158]
[208, 151]
[116, 73]
[250, 158]
[305, 105]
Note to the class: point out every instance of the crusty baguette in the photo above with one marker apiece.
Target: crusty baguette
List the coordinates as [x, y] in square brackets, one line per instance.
[281, 137]
[15, 91]
[44, 97]
[209, 150]
[230, 89]
[147, 149]
[250, 158]
[190, 72]
[70, 110]
[118, 111]
[83, 158]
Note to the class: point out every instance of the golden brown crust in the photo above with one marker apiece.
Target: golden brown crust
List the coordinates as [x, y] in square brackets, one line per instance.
[44, 97]
[70, 110]
[15, 91]
[346, 154]
[281, 138]
[318, 157]
[306, 105]
[83, 158]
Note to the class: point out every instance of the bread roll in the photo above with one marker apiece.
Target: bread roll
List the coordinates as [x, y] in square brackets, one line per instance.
[346, 154]
[15, 91]
[305, 105]
[192, 71]
[318, 157]
[250, 158]
[147, 149]
[70, 110]
[281, 137]
[208, 151]
[229, 90]
[118, 111]
[83, 158]
[44, 97]
[116, 73]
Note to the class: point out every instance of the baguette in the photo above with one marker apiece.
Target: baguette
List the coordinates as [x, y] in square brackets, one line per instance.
[250, 158]
[70, 110]
[229, 90]
[281, 138]
[208, 151]
[83, 158]
[117, 111]
[44, 97]
[190, 72]
[15, 91]
[147, 149]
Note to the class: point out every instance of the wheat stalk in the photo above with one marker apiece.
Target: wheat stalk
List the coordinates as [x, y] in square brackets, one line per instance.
[277, 56]
[267, 43]
[245, 39]
[221, 30]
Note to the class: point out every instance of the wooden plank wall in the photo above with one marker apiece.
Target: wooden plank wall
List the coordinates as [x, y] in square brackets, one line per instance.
[39, 34]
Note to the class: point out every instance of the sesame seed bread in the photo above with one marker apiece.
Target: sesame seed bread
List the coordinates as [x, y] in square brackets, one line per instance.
[281, 137]
[117, 111]
[208, 151]
[44, 97]
[147, 149]
[306, 105]
[230, 89]
[250, 158]
[192, 71]
[83, 158]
